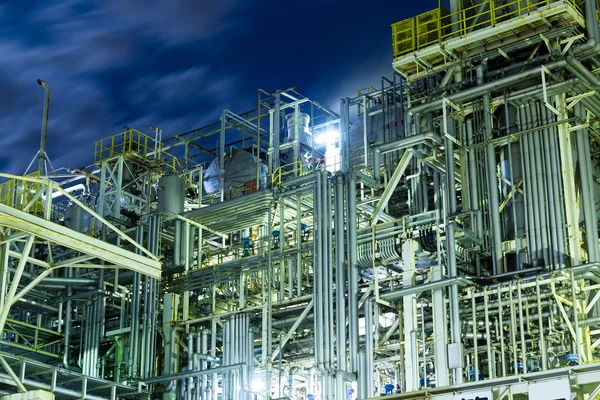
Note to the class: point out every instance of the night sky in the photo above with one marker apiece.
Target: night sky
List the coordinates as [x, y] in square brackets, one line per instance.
[175, 64]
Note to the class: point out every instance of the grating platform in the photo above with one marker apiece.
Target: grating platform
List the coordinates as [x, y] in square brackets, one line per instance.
[440, 40]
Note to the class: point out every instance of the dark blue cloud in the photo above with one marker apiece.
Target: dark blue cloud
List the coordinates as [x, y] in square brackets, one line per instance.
[174, 64]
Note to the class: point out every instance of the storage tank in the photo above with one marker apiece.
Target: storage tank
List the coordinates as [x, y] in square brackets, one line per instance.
[77, 219]
[240, 174]
[302, 122]
[171, 194]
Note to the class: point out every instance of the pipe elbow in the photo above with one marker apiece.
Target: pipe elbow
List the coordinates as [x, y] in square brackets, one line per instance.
[43, 84]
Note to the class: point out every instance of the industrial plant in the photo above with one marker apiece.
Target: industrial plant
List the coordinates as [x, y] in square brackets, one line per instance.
[435, 238]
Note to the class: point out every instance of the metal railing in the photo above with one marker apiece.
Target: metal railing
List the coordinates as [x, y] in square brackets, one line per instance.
[22, 194]
[288, 171]
[438, 25]
[131, 141]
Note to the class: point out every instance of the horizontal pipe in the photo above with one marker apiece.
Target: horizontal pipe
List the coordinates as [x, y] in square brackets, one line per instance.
[192, 374]
[485, 88]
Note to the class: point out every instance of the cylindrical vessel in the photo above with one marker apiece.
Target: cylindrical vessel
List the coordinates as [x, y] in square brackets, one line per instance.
[171, 193]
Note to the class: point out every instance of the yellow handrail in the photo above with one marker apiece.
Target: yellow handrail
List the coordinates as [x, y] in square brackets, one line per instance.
[437, 25]
[131, 141]
[284, 172]
[22, 194]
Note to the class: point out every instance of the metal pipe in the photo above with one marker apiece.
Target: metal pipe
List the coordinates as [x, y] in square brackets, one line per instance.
[42, 152]
[318, 274]
[367, 373]
[340, 279]
[591, 22]
[352, 275]
[492, 187]
[192, 374]
[329, 269]
[539, 181]
[485, 88]
[589, 206]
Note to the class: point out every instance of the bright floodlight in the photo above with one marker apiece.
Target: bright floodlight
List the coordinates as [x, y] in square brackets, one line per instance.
[258, 385]
[328, 136]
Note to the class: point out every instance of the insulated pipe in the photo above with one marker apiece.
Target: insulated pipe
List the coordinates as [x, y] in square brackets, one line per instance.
[352, 275]
[589, 206]
[449, 215]
[550, 194]
[187, 374]
[190, 380]
[556, 188]
[318, 274]
[578, 69]
[42, 151]
[539, 168]
[591, 23]
[524, 148]
[401, 144]
[486, 88]
[535, 209]
[340, 278]
[369, 346]
[492, 187]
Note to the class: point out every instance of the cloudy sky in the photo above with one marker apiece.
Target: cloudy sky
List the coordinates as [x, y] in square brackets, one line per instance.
[175, 64]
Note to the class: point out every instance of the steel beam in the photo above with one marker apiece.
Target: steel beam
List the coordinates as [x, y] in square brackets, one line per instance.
[63, 236]
[391, 186]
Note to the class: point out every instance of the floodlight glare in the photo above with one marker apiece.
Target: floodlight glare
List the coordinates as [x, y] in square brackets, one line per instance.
[328, 136]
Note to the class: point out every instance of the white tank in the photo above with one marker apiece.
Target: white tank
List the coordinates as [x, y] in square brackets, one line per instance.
[302, 122]
[240, 174]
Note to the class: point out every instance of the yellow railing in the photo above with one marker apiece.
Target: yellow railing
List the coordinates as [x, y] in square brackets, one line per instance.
[438, 25]
[287, 171]
[22, 194]
[131, 141]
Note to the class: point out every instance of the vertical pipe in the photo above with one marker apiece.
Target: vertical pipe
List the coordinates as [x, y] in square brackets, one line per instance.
[222, 153]
[474, 191]
[553, 227]
[492, 187]
[352, 275]
[556, 189]
[369, 366]
[450, 211]
[590, 20]
[539, 181]
[318, 274]
[529, 222]
[190, 381]
[587, 192]
[42, 152]
[340, 279]
[530, 158]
